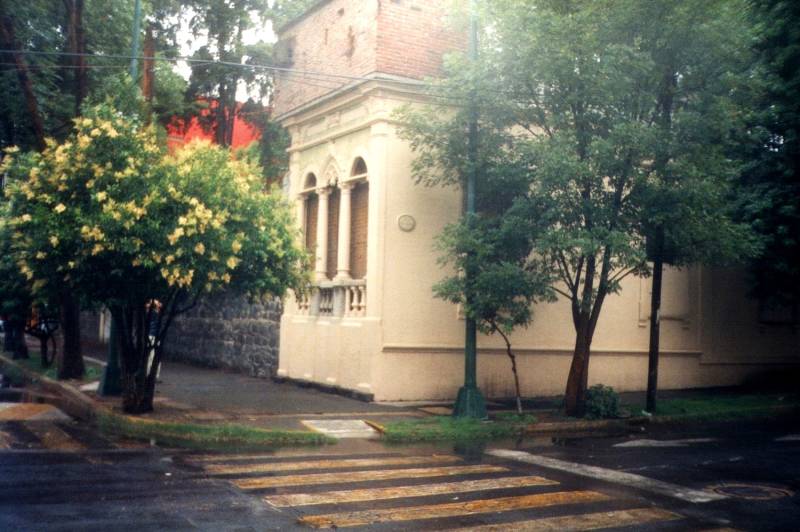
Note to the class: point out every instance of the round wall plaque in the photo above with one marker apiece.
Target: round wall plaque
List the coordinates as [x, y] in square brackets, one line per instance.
[406, 223]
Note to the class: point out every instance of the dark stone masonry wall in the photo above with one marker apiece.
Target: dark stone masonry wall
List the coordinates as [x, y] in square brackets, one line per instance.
[228, 332]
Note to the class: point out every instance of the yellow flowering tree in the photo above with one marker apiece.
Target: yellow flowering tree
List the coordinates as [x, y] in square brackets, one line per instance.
[147, 234]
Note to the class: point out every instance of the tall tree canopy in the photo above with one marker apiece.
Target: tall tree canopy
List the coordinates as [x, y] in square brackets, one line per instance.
[617, 114]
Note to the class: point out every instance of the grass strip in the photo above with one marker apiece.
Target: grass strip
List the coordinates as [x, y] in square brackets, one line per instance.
[226, 437]
[442, 428]
[729, 405]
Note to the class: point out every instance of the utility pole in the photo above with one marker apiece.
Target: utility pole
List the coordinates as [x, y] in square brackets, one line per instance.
[111, 382]
[470, 402]
[137, 15]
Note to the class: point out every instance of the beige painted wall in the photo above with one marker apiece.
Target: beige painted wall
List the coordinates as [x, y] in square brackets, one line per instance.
[408, 347]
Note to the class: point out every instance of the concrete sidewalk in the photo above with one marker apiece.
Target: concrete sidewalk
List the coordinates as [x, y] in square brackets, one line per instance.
[190, 393]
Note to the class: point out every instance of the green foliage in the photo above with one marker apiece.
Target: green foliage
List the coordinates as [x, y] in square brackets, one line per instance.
[602, 402]
[284, 11]
[599, 121]
[772, 179]
[108, 215]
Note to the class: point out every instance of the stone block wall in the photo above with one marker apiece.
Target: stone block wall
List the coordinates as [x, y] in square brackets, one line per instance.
[228, 332]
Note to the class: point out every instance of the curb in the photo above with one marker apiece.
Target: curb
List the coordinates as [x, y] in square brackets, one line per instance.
[599, 426]
[595, 425]
[70, 400]
[80, 406]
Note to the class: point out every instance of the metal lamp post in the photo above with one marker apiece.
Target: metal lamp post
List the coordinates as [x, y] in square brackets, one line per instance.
[470, 402]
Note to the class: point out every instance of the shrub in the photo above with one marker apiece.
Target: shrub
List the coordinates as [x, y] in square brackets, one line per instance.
[602, 402]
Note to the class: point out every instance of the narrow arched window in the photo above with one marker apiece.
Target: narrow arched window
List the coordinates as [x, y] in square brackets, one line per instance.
[311, 209]
[359, 221]
[333, 232]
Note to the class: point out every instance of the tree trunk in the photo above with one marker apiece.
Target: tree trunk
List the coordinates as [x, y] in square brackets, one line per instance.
[19, 348]
[655, 322]
[9, 41]
[137, 392]
[575, 395]
[70, 363]
[513, 358]
[148, 67]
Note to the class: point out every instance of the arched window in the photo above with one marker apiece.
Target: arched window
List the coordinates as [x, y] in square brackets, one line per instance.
[359, 220]
[311, 209]
[333, 233]
[359, 167]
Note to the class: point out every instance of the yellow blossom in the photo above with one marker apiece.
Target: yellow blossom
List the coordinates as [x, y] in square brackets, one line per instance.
[136, 262]
[169, 259]
[90, 183]
[200, 248]
[26, 217]
[98, 248]
[226, 278]
[86, 122]
[175, 235]
[236, 246]
[232, 262]
[41, 255]
[60, 208]
[95, 132]
[54, 241]
[101, 196]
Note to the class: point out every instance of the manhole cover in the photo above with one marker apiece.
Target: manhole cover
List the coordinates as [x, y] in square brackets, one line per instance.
[751, 492]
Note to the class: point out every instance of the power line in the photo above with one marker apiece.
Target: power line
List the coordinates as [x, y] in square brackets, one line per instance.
[215, 62]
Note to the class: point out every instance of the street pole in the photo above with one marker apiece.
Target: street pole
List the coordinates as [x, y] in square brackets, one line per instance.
[137, 15]
[470, 402]
[111, 381]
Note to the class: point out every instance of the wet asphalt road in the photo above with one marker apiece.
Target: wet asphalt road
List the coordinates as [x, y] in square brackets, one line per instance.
[104, 485]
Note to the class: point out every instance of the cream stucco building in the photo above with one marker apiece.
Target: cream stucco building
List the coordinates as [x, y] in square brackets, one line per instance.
[372, 326]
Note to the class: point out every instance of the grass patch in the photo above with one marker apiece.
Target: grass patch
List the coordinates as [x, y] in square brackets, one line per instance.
[442, 428]
[34, 363]
[726, 405]
[211, 437]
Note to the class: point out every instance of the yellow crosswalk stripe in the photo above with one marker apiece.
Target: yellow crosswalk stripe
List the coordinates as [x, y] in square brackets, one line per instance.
[454, 509]
[399, 492]
[329, 464]
[574, 523]
[53, 437]
[363, 476]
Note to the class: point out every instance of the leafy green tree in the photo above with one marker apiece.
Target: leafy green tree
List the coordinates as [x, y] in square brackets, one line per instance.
[107, 214]
[284, 11]
[220, 71]
[15, 297]
[772, 179]
[617, 114]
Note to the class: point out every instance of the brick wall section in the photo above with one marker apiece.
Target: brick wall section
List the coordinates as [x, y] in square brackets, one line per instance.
[360, 37]
[413, 36]
[228, 332]
[337, 38]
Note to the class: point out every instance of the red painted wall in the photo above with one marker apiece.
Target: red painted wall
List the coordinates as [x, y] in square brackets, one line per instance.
[180, 133]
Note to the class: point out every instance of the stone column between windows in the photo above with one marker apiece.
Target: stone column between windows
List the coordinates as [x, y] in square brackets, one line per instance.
[345, 210]
[322, 235]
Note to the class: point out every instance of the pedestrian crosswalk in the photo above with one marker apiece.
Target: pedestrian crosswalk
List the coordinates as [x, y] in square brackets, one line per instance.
[432, 491]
